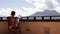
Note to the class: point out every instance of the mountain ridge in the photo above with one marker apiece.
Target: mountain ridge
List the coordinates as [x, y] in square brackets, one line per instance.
[47, 13]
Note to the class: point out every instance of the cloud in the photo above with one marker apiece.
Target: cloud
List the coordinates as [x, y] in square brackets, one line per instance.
[45, 4]
[28, 1]
[39, 5]
[7, 11]
[52, 4]
[57, 9]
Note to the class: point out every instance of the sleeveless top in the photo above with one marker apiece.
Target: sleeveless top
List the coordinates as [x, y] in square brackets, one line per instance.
[12, 21]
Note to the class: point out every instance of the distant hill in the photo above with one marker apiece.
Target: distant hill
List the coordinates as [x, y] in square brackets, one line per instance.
[46, 13]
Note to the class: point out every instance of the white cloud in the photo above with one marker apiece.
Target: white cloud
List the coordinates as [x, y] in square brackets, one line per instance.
[28, 11]
[7, 11]
[45, 4]
[52, 4]
[28, 1]
[57, 9]
[40, 5]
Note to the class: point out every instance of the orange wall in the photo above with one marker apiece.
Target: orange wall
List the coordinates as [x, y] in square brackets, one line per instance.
[35, 27]
[40, 27]
[3, 26]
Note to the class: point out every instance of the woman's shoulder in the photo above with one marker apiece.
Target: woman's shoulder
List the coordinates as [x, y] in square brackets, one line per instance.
[12, 17]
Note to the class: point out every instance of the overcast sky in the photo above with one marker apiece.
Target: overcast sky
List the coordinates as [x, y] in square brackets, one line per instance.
[27, 7]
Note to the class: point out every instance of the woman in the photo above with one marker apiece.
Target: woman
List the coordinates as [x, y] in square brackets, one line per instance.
[12, 23]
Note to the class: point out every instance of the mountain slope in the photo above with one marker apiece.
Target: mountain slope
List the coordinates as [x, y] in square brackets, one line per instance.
[46, 13]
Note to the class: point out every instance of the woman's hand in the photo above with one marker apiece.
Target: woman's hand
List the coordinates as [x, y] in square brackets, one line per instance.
[20, 16]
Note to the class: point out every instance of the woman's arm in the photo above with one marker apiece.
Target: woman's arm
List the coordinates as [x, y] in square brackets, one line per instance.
[20, 16]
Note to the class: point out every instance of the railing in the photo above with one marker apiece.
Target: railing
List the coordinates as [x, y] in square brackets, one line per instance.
[35, 18]
[41, 18]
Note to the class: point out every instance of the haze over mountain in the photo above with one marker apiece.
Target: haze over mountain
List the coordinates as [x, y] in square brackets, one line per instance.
[46, 13]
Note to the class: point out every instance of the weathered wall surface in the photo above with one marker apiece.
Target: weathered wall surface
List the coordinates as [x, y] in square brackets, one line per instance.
[34, 27]
[40, 27]
[3, 27]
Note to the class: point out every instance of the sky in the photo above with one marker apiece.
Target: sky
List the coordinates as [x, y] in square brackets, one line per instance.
[27, 7]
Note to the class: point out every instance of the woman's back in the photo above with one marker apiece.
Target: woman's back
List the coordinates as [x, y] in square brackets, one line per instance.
[12, 21]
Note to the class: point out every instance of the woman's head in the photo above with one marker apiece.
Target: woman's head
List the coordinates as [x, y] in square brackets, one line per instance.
[13, 13]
